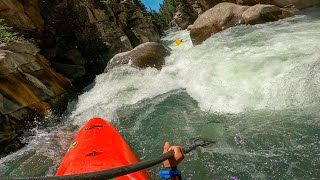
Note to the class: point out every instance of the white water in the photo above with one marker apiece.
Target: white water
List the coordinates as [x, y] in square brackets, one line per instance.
[257, 88]
[269, 66]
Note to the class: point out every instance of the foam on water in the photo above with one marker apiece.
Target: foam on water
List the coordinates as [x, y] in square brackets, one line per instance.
[254, 89]
[243, 68]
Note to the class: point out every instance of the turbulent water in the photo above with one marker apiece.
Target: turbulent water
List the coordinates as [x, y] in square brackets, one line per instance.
[252, 89]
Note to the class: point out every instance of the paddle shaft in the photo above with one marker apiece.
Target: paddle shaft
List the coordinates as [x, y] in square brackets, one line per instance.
[110, 173]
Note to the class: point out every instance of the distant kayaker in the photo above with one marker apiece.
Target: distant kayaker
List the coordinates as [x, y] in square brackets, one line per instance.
[178, 41]
[170, 166]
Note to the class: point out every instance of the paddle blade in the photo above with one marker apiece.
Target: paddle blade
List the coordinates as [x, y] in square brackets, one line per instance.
[198, 142]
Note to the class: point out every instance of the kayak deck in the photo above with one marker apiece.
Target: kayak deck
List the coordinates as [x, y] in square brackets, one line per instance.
[99, 146]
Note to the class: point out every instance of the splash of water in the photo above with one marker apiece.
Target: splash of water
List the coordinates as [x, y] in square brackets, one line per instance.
[252, 88]
[269, 66]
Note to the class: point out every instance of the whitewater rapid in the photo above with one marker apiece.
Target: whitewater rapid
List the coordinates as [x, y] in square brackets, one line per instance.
[268, 66]
[252, 89]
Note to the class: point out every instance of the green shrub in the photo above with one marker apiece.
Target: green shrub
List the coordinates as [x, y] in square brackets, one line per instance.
[7, 35]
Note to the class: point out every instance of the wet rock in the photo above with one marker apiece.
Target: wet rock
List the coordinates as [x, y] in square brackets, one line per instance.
[29, 89]
[9, 131]
[264, 13]
[149, 54]
[216, 19]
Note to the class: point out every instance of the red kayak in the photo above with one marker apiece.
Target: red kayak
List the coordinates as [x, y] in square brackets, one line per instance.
[99, 146]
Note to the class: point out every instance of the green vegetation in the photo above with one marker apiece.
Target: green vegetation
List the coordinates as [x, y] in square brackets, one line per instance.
[7, 35]
[163, 18]
[140, 5]
[166, 13]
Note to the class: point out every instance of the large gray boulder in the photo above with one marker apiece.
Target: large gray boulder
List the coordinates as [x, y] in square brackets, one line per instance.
[216, 19]
[149, 54]
[261, 13]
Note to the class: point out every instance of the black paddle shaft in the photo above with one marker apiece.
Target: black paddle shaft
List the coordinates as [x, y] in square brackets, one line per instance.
[118, 171]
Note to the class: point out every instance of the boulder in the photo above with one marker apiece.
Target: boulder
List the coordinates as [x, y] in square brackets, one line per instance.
[261, 13]
[149, 54]
[216, 19]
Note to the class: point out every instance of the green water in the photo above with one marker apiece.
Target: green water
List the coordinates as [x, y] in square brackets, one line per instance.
[260, 144]
[254, 90]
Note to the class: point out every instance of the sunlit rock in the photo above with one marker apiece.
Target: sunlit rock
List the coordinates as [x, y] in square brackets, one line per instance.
[149, 54]
[261, 13]
[216, 19]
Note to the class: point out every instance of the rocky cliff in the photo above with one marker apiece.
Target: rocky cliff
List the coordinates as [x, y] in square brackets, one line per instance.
[29, 90]
[80, 36]
[96, 29]
[73, 42]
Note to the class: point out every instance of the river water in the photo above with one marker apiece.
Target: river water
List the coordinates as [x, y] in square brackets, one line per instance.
[254, 90]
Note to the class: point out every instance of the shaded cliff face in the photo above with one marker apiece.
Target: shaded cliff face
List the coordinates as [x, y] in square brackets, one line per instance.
[29, 90]
[98, 29]
[95, 30]
[76, 38]
[25, 15]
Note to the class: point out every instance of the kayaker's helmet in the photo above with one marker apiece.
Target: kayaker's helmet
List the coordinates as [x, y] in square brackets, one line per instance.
[178, 41]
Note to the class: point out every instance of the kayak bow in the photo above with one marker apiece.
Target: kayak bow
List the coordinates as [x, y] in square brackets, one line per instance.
[99, 146]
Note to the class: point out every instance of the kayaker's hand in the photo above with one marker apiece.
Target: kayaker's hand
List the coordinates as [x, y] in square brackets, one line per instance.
[178, 155]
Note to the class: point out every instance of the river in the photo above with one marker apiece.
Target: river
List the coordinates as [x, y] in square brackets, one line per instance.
[255, 90]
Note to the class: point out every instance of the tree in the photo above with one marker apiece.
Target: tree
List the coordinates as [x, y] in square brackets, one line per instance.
[166, 13]
[140, 5]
